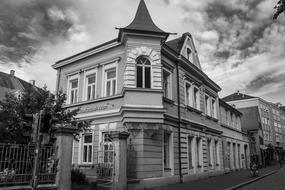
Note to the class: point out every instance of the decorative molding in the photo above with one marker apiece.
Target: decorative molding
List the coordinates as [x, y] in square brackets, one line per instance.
[130, 70]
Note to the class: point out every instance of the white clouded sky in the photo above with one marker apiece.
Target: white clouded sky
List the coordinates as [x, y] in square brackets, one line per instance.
[240, 46]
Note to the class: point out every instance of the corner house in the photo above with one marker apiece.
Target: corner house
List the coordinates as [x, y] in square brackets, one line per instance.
[156, 90]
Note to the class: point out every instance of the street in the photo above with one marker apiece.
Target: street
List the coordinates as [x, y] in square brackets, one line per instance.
[272, 182]
[226, 181]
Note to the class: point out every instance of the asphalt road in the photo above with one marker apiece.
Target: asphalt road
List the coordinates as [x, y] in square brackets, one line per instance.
[219, 182]
[272, 182]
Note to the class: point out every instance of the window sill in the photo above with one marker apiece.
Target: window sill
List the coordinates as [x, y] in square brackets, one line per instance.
[86, 165]
[212, 118]
[193, 109]
[165, 99]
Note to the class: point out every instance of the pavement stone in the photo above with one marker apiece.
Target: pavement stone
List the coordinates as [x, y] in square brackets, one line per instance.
[221, 182]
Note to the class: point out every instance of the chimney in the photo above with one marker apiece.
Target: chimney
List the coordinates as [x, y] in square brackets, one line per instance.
[33, 82]
[12, 73]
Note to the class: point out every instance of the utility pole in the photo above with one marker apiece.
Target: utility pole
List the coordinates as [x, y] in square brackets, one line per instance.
[37, 151]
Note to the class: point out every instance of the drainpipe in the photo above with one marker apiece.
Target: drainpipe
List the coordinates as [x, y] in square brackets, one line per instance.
[179, 122]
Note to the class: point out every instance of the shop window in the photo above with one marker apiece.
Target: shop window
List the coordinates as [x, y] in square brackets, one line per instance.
[143, 72]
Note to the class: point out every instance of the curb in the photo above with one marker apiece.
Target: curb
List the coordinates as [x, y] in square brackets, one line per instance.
[253, 180]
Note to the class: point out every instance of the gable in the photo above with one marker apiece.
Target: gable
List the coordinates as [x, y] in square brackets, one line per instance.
[188, 50]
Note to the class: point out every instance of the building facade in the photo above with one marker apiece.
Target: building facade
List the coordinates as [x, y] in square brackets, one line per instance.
[155, 90]
[262, 121]
[235, 141]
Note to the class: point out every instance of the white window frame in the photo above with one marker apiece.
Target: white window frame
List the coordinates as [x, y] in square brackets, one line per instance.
[170, 153]
[191, 140]
[188, 100]
[207, 104]
[169, 83]
[104, 81]
[88, 132]
[214, 108]
[194, 101]
[69, 80]
[143, 72]
[86, 75]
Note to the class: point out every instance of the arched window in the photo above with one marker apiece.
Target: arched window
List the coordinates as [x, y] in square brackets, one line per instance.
[143, 72]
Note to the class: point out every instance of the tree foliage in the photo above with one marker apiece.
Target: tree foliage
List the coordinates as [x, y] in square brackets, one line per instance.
[13, 110]
[280, 8]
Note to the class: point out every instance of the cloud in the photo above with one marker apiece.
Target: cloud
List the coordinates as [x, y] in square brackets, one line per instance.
[239, 45]
[27, 25]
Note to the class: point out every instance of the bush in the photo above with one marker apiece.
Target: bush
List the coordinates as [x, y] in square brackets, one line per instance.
[78, 177]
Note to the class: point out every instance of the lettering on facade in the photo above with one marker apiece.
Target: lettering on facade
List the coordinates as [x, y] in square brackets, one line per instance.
[92, 109]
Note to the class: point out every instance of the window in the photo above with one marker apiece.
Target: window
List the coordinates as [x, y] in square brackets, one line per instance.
[198, 152]
[190, 152]
[91, 86]
[207, 105]
[188, 99]
[188, 52]
[107, 148]
[214, 110]
[210, 159]
[73, 91]
[166, 149]
[196, 97]
[217, 152]
[110, 81]
[87, 148]
[143, 72]
[167, 84]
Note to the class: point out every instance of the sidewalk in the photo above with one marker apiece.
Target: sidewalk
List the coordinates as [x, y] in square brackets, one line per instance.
[218, 182]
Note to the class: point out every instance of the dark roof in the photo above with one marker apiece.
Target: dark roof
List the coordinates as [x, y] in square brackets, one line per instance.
[9, 83]
[237, 96]
[143, 20]
[282, 108]
[177, 44]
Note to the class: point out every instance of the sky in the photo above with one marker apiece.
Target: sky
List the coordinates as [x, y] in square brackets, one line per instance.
[240, 47]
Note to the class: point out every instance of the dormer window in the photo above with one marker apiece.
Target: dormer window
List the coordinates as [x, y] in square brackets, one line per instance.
[143, 72]
[188, 52]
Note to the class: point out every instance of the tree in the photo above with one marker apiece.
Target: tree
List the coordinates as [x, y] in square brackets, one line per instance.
[280, 8]
[13, 111]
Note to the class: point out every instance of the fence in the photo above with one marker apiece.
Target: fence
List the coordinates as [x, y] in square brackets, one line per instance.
[17, 164]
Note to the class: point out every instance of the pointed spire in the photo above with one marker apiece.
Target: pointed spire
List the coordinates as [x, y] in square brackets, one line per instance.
[143, 20]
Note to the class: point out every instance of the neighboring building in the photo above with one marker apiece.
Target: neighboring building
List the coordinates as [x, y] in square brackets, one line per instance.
[235, 141]
[9, 83]
[262, 121]
[154, 89]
